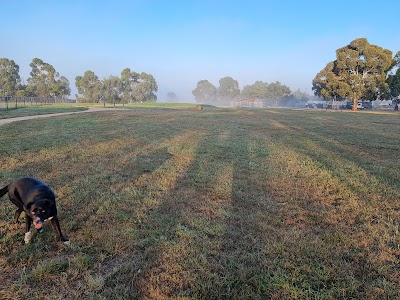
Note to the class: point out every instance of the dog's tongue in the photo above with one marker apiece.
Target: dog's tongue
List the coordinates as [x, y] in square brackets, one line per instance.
[38, 225]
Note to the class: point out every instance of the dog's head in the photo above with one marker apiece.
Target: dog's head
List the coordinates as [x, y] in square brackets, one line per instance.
[40, 211]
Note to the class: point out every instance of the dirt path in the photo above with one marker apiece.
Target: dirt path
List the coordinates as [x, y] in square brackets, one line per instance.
[91, 109]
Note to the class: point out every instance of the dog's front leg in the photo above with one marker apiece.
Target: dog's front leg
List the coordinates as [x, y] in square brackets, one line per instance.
[56, 225]
[28, 234]
[17, 214]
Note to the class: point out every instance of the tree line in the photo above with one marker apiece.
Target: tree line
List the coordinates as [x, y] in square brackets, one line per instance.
[46, 82]
[272, 94]
[129, 88]
[361, 71]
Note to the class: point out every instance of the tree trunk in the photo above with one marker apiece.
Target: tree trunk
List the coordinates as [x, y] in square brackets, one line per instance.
[355, 104]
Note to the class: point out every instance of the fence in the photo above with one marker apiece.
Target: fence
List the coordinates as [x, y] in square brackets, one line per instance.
[15, 102]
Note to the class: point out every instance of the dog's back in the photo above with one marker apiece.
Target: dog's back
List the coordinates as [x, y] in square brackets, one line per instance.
[30, 189]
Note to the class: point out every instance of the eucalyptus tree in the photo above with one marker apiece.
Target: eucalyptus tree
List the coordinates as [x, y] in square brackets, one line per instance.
[128, 79]
[258, 90]
[45, 81]
[393, 81]
[205, 92]
[144, 89]
[328, 85]
[112, 89]
[359, 71]
[63, 88]
[89, 87]
[273, 92]
[9, 77]
[277, 91]
[228, 89]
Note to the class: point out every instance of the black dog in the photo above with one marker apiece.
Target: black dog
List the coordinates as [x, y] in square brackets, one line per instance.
[38, 202]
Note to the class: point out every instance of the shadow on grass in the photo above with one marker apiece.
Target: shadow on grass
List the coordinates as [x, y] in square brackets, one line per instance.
[201, 241]
[183, 232]
[88, 190]
[223, 212]
[346, 157]
[219, 232]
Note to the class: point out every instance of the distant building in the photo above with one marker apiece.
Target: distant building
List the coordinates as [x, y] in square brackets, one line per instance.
[383, 105]
[249, 102]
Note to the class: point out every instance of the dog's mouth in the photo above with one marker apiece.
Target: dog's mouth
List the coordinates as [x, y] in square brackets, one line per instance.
[38, 223]
[38, 226]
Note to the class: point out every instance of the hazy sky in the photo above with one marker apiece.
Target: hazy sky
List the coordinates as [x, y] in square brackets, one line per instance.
[182, 42]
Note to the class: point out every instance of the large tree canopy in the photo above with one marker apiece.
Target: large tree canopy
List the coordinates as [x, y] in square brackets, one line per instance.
[144, 89]
[328, 85]
[112, 89]
[258, 90]
[273, 92]
[130, 87]
[9, 77]
[89, 87]
[228, 89]
[359, 71]
[128, 79]
[205, 92]
[393, 81]
[277, 90]
[45, 81]
[63, 88]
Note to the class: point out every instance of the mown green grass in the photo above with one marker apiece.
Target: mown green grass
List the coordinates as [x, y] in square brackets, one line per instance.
[164, 105]
[208, 204]
[151, 105]
[29, 110]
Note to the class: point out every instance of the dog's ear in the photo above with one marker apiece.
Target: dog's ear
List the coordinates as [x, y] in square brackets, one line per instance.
[48, 203]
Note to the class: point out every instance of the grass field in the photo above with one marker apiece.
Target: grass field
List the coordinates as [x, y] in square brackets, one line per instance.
[207, 204]
[38, 110]
[30, 110]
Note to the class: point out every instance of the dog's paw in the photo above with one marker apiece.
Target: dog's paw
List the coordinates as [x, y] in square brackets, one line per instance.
[27, 237]
[65, 241]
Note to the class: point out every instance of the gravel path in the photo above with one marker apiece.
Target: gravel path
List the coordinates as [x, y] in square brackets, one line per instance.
[91, 109]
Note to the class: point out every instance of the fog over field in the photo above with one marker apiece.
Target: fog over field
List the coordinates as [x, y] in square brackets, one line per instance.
[201, 149]
[182, 43]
